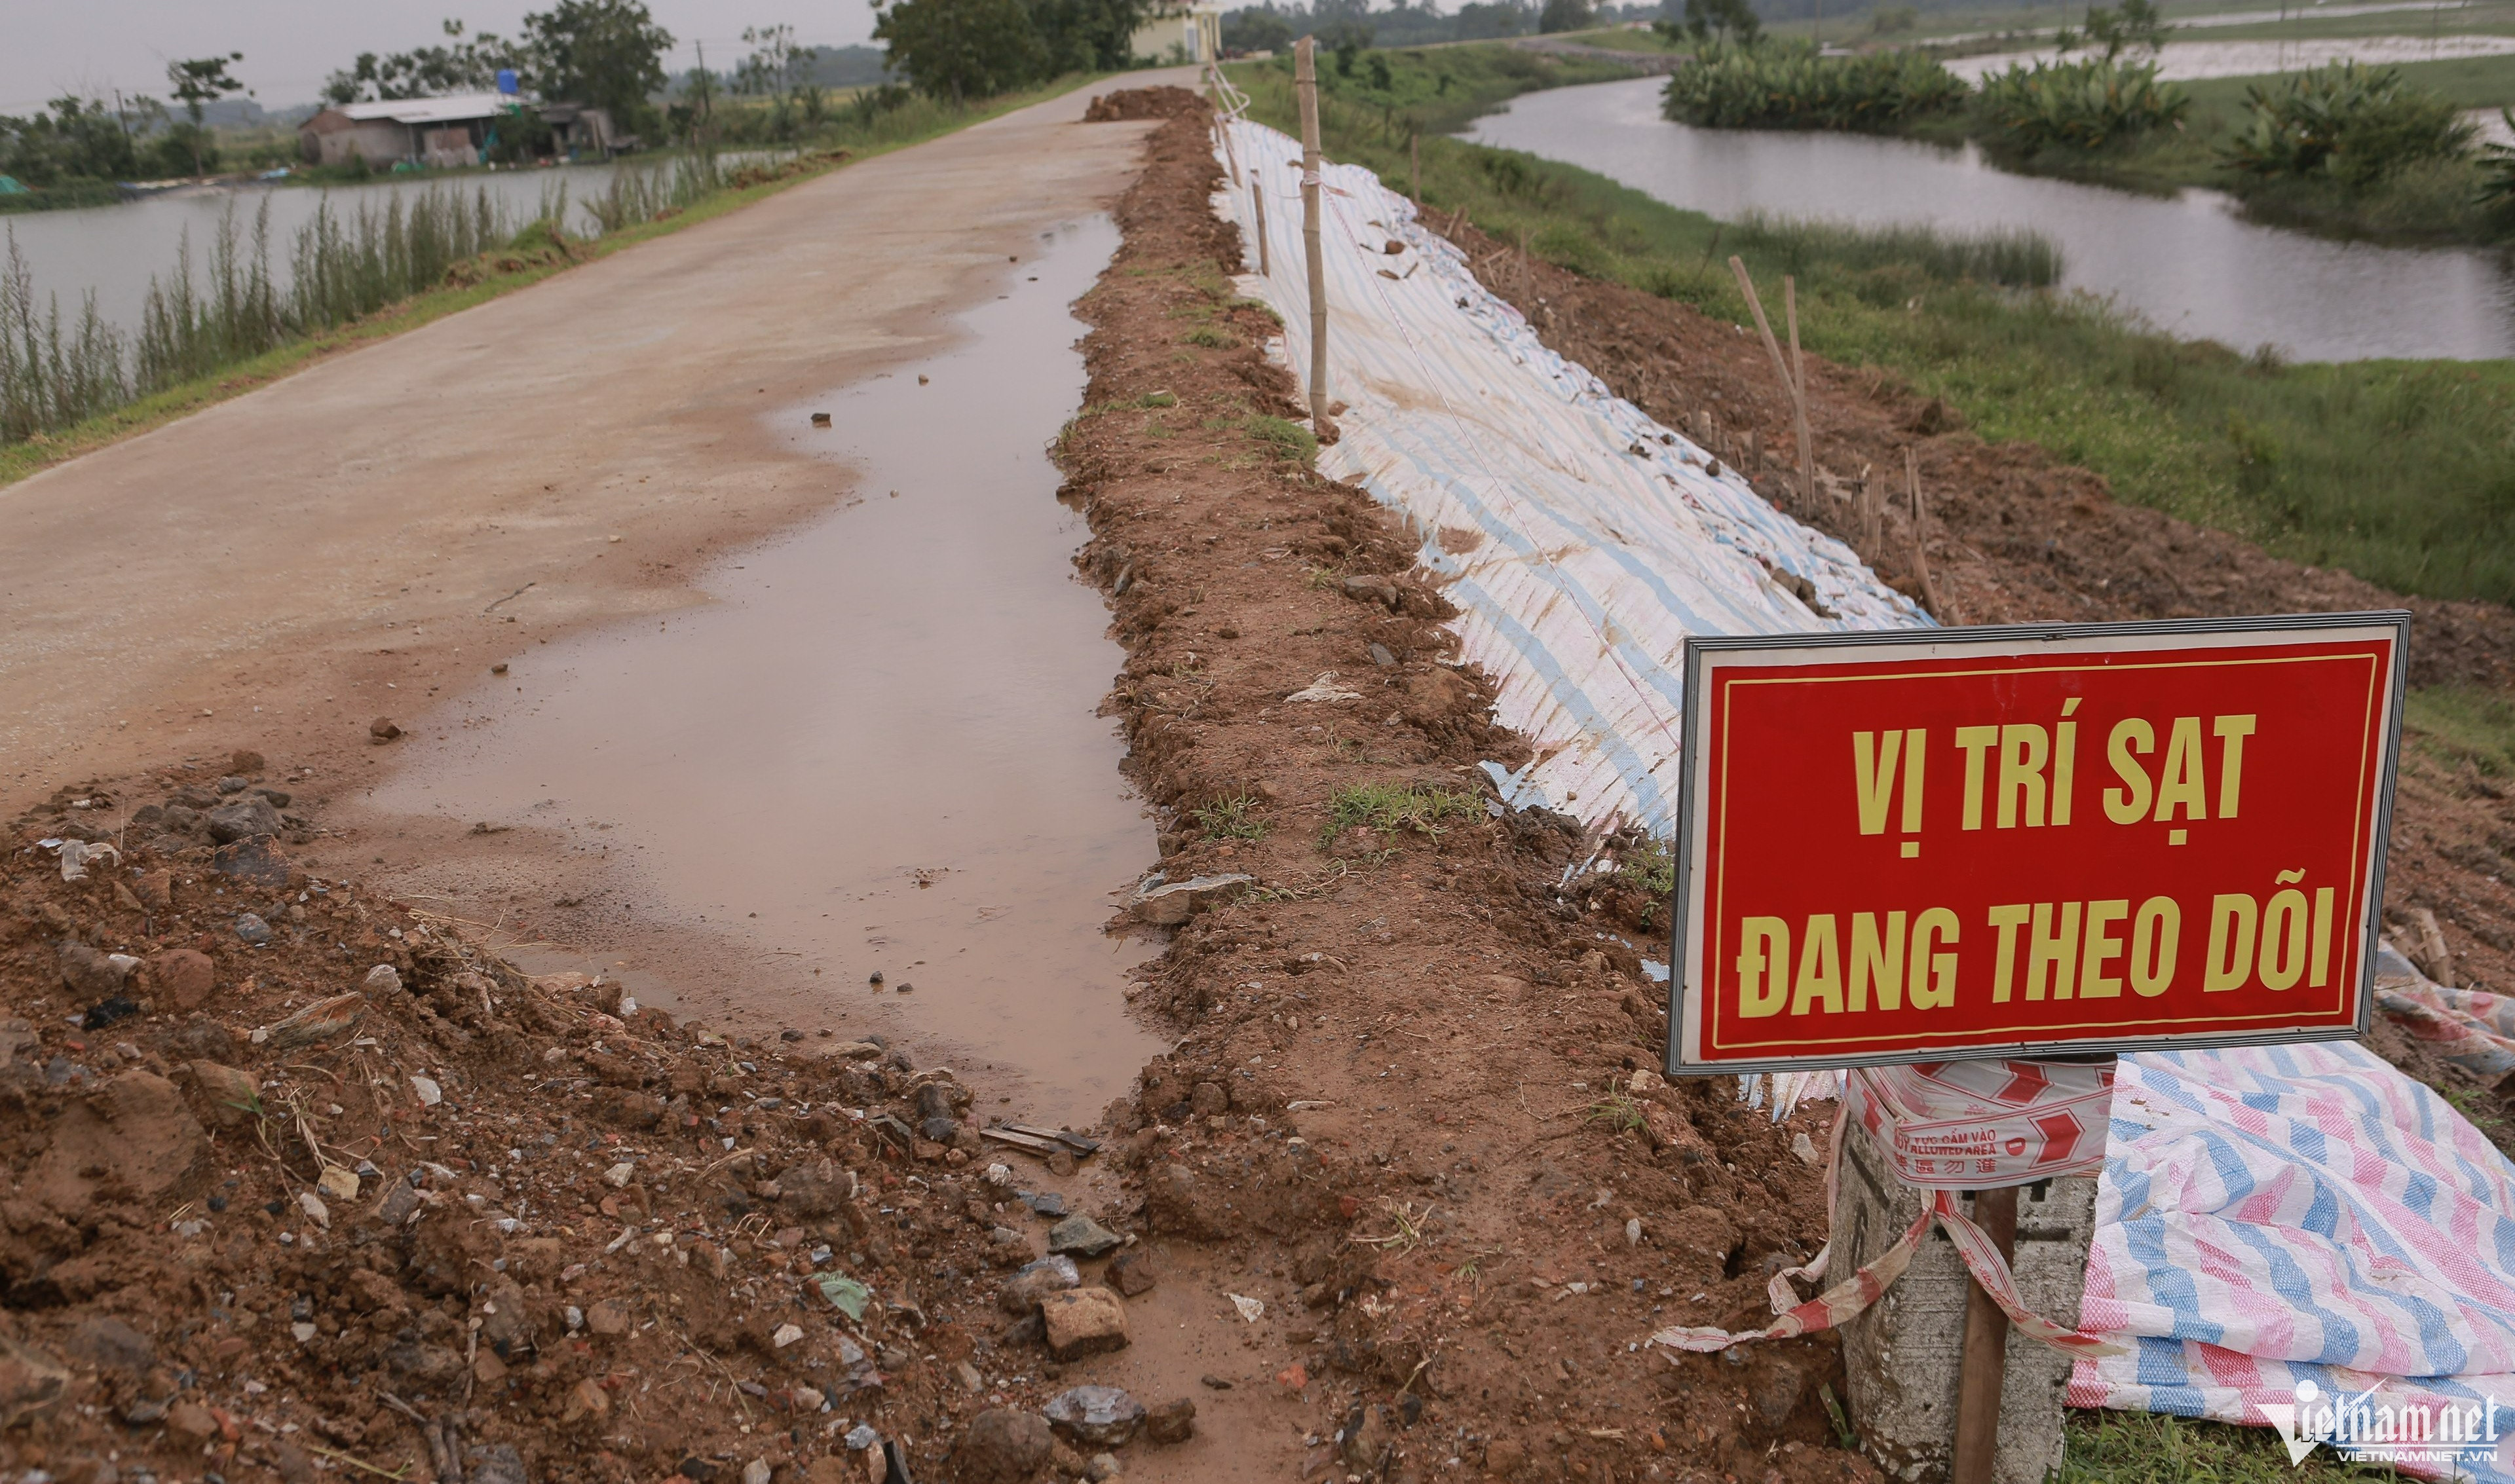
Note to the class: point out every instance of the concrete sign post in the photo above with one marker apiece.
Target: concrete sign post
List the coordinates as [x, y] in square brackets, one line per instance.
[2050, 841]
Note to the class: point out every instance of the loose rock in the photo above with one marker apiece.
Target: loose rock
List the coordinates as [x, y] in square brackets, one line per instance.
[1023, 1291]
[1004, 1446]
[249, 816]
[184, 976]
[1096, 1417]
[1173, 1421]
[1083, 1321]
[1083, 1236]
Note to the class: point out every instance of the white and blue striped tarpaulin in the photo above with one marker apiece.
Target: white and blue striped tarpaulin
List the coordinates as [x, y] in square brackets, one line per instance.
[2266, 1217]
[1580, 539]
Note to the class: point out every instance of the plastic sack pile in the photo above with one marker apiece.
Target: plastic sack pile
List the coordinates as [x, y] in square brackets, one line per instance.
[2266, 1218]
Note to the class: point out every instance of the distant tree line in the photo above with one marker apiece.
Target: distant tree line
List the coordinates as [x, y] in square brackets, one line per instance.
[967, 49]
[74, 142]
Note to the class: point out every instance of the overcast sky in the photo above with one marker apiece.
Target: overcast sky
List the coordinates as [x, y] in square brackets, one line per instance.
[93, 46]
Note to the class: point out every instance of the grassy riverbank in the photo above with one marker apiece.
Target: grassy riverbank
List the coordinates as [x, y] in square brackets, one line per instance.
[476, 280]
[2396, 470]
[2432, 201]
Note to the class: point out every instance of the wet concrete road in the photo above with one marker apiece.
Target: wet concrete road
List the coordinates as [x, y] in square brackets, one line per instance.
[367, 538]
[879, 749]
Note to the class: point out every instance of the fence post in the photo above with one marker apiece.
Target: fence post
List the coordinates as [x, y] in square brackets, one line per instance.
[1305, 83]
[1921, 538]
[1258, 202]
[1983, 1366]
[1798, 395]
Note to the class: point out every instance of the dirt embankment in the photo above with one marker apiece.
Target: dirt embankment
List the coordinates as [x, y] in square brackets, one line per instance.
[1406, 1099]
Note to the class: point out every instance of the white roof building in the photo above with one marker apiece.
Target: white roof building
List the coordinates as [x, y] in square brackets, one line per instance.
[423, 111]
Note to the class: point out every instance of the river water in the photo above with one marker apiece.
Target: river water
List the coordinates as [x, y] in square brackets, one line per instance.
[113, 251]
[2187, 263]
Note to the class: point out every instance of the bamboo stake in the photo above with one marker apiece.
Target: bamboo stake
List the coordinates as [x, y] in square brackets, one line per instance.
[1798, 395]
[1223, 124]
[1984, 1365]
[1764, 327]
[1873, 513]
[1258, 199]
[1415, 169]
[1305, 84]
[1921, 540]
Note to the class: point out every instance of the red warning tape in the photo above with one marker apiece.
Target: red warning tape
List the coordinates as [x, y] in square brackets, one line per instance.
[1946, 1127]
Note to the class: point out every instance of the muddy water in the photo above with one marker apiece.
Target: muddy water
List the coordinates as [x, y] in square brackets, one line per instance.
[876, 750]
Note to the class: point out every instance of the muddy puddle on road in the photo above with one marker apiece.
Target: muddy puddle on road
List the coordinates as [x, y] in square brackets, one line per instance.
[877, 748]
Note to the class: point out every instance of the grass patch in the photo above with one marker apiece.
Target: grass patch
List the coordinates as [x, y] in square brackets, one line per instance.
[1394, 807]
[1212, 337]
[1649, 868]
[2147, 1448]
[1231, 818]
[1288, 441]
[2460, 724]
[2395, 470]
[2012, 258]
[1618, 1111]
[878, 132]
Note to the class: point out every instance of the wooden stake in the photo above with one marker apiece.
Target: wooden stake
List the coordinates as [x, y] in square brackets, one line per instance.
[1305, 85]
[1414, 168]
[1921, 541]
[1798, 395]
[1764, 328]
[1986, 1350]
[1222, 125]
[1258, 200]
[1872, 514]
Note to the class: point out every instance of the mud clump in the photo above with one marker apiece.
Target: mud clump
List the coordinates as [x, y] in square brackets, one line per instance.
[363, 1190]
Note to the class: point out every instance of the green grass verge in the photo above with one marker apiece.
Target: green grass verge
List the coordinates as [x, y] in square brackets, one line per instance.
[1431, 90]
[2397, 470]
[2144, 1448]
[922, 120]
[2460, 724]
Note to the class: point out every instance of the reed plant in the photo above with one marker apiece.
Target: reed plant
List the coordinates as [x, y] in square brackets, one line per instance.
[49, 378]
[2097, 102]
[641, 194]
[1778, 84]
[2009, 257]
[342, 265]
[2346, 122]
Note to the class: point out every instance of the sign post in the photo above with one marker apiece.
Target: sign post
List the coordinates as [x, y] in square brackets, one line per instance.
[2043, 841]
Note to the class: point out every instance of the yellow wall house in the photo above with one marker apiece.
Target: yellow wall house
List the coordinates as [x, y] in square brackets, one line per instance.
[1173, 32]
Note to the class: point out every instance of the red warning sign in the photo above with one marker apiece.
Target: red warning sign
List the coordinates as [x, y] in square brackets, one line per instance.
[2015, 841]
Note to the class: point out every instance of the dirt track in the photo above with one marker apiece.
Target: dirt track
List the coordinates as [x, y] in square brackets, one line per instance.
[278, 570]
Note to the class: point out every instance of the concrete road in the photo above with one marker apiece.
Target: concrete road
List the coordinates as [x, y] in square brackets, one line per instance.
[274, 571]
